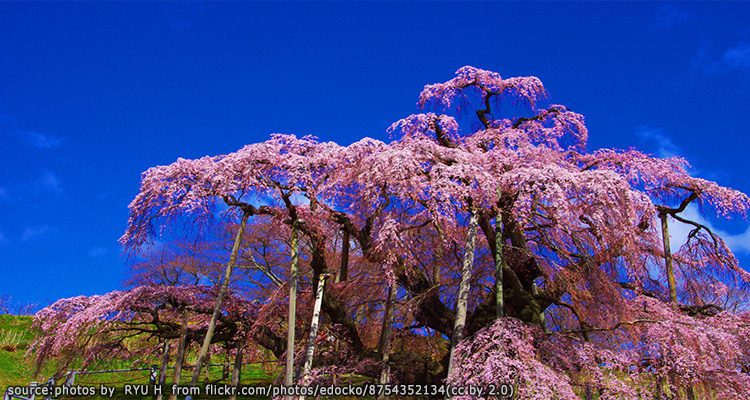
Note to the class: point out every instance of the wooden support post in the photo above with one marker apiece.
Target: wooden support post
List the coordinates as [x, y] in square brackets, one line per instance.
[499, 307]
[384, 346]
[463, 290]
[668, 258]
[163, 370]
[152, 374]
[314, 325]
[292, 320]
[71, 378]
[223, 288]
[236, 371]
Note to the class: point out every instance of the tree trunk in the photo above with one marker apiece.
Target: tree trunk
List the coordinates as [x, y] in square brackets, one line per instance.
[359, 316]
[384, 346]
[267, 367]
[499, 307]
[344, 267]
[541, 318]
[236, 372]
[179, 358]
[225, 367]
[668, 258]
[163, 369]
[314, 324]
[690, 392]
[439, 252]
[463, 290]
[289, 376]
[207, 370]
[659, 383]
[219, 299]
[589, 395]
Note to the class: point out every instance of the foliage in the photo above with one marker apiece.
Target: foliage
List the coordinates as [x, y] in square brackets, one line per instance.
[132, 324]
[585, 288]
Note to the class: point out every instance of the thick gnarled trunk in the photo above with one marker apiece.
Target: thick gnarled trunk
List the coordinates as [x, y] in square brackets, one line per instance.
[518, 298]
[343, 274]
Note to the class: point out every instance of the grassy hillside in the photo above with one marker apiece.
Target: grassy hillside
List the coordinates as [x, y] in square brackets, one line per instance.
[16, 368]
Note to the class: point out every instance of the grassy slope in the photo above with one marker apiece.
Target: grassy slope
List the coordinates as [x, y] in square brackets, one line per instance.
[17, 367]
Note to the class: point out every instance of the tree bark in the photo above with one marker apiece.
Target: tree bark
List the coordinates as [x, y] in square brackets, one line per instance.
[589, 395]
[517, 278]
[658, 389]
[344, 267]
[690, 392]
[439, 253]
[314, 325]
[219, 299]
[541, 318]
[463, 290]
[499, 307]
[668, 258]
[289, 375]
[384, 345]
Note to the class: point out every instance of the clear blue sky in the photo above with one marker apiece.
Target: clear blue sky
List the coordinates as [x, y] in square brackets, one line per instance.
[92, 94]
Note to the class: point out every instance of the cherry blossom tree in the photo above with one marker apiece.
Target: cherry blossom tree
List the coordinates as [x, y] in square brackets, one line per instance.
[138, 325]
[485, 231]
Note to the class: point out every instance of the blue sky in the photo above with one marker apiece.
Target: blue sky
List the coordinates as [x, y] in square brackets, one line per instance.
[92, 94]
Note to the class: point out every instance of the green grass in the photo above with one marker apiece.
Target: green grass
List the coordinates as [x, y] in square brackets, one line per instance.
[16, 367]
